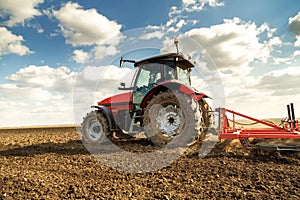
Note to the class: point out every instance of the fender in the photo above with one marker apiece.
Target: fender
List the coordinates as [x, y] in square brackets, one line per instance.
[109, 116]
[173, 86]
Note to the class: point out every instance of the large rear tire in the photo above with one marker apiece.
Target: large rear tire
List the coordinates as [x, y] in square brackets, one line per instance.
[94, 128]
[206, 118]
[173, 117]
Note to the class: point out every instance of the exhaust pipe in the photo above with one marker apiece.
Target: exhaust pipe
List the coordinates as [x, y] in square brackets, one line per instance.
[289, 112]
[293, 112]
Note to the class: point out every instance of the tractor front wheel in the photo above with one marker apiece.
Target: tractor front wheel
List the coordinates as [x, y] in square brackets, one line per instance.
[94, 128]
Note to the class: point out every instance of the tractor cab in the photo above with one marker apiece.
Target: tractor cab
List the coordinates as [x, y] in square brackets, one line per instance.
[156, 71]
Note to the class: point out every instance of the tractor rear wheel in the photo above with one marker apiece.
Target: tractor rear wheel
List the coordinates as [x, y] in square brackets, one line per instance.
[94, 128]
[173, 117]
[206, 118]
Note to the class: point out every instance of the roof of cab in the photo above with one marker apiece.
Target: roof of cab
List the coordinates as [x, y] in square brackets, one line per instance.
[184, 63]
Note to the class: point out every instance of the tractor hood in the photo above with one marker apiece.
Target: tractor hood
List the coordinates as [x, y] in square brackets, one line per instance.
[117, 100]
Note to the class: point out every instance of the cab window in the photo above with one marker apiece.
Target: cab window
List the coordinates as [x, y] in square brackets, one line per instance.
[183, 76]
[149, 73]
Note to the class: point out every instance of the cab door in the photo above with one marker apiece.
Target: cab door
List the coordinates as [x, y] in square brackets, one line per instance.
[148, 76]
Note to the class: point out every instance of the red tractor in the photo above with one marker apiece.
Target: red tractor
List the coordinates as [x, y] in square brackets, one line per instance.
[160, 102]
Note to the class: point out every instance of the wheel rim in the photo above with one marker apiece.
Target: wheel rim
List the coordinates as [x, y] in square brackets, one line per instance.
[169, 120]
[95, 130]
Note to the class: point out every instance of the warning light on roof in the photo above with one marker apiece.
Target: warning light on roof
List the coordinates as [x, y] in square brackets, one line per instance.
[176, 44]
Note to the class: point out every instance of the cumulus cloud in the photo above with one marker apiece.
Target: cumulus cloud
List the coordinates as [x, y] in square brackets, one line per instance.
[40, 95]
[152, 32]
[98, 53]
[10, 43]
[102, 51]
[59, 79]
[19, 10]
[80, 56]
[280, 82]
[234, 43]
[294, 27]
[85, 27]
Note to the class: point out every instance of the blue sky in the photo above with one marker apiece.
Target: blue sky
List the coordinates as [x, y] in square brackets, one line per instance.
[45, 45]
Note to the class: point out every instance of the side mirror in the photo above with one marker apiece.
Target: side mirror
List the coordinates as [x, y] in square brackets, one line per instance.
[123, 87]
[122, 60]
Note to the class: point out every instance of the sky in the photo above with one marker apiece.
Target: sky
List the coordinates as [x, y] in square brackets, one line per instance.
[59, 57]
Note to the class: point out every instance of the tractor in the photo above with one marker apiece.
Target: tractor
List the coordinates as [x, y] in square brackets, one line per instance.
[160, 102]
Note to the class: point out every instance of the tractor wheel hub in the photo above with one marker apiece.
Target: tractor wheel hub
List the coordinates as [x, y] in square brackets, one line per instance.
[168, 120]
[95, 130]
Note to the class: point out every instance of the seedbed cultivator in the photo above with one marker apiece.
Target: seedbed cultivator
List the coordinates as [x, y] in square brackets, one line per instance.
[273, 137]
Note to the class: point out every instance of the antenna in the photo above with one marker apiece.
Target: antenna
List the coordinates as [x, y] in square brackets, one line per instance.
[176, 44]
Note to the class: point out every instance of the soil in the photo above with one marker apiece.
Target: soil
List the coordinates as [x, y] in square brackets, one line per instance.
[52, 163]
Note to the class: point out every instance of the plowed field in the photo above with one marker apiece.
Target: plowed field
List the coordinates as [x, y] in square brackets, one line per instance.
[52, 163]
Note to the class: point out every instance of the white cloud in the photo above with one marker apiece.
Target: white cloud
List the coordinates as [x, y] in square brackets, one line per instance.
[296, 53]
[56, 79]
[234, 43]
[194, 6]
[280, 82]
[174, 25]
[85, 27]
[264, 96]
[153, 33]
[102, 51]
[278, 61]
[37, 27]
[180, 24]
[80, 56]
[10, 43]
[188, 2]
[19, 10]
[41, 95]
[294, 27]
[25, 105]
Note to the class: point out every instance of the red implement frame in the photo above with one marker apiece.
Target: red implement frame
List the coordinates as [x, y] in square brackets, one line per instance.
[289, 130]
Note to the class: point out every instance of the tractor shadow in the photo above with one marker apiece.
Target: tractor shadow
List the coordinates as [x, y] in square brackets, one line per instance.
[72, 147]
